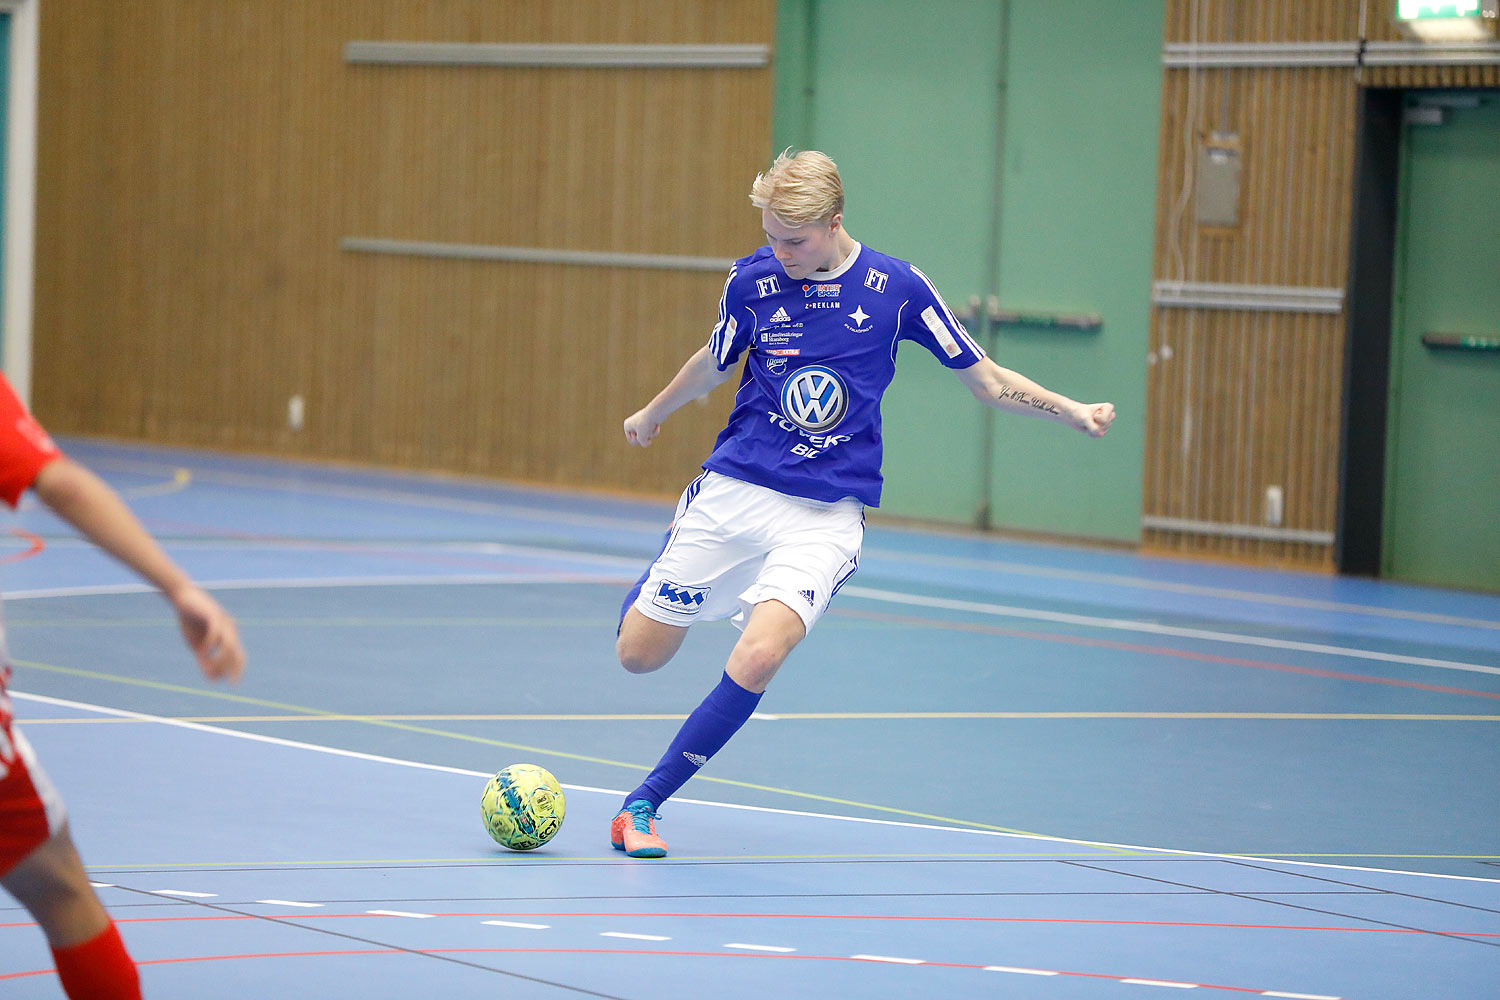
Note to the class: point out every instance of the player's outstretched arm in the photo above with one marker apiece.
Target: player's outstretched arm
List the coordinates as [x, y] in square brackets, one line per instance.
[1006, 390]
[699, 376]
[88, 503]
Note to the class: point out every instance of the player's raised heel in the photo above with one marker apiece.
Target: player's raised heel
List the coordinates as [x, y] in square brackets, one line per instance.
[634, 831]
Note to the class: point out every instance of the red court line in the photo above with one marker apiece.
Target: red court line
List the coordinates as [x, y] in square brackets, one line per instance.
[1130, 647]
[37, 545]
[207, 917]
[616, 951]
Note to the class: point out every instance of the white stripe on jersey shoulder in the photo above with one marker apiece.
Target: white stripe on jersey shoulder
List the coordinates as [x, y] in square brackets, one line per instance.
[714, 339]
[726, 340]
[953, 323]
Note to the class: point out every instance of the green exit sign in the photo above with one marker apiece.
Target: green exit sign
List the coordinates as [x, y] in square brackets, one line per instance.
[1417, 10]
[1448, 20]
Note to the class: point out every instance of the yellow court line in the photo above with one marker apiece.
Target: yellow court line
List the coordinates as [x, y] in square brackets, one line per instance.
[1430, 857]
[802, 716]
[180, 480]
[331, 717]
[524, 748]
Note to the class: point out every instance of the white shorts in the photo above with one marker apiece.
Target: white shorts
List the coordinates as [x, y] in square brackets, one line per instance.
[734, 545]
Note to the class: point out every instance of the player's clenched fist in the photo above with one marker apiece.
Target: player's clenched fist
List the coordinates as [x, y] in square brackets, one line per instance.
[641, 429]
[1097, 418]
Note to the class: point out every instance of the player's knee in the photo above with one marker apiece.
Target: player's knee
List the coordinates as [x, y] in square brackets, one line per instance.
[50, 882]
[754, 662]
[637, 659]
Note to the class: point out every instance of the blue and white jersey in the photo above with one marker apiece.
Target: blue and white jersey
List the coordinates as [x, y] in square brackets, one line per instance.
[806, 418]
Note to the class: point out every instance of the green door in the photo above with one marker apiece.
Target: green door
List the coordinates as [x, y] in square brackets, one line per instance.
[906, 98]
[1077, 220]
[1442, 504]
[1056, 215]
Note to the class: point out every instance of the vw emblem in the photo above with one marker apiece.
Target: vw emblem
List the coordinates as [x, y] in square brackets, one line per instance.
[814, 398]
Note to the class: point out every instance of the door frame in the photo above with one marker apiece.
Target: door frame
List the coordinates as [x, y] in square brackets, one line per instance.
[19, 231]
[1359, 528]
[1363, 435]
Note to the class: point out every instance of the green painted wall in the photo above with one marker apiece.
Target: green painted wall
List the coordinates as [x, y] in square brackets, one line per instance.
[1443, 442]
[1077, 224]
[909, 97]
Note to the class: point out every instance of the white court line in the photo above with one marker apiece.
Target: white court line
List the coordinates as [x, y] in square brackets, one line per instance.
[614, 792]
[307, 583]
[864, 593]
[182, 892]
[289, 902]
[400, 913]
[888, 958]
[613, 523]
[291, 485]
[633, 937]
[777, 949]
[1160, 982]
[1019, 972]
[514, 923]
[1153, 628]
[1001, 566]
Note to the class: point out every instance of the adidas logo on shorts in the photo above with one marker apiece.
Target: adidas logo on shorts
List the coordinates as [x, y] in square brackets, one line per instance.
[811, 597]
[696, 759]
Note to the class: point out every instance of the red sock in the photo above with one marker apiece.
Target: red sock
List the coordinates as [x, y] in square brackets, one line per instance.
[98, 969]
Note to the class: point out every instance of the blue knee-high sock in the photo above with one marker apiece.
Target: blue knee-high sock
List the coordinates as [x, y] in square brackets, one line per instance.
[705, 732]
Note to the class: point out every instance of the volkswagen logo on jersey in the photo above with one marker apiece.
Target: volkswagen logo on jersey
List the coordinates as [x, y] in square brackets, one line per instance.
[814, 398]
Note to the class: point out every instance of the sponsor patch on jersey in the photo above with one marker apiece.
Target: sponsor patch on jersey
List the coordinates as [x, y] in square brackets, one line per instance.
[941, 332]
[779, 316]
[767, 286]
[814, 398]
[876, 279]
[776, 365]
[826, 290]
[786, 351]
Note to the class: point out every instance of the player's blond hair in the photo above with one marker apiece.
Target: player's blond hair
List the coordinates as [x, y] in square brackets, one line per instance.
[800, 188]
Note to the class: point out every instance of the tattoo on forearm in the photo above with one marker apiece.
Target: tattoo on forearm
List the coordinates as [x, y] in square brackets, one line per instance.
[1025, 399]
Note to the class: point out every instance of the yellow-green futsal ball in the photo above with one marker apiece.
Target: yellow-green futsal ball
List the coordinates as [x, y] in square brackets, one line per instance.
[522, 807]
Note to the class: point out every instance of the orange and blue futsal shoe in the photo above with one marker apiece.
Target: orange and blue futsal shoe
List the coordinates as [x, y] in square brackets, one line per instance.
[634, 831]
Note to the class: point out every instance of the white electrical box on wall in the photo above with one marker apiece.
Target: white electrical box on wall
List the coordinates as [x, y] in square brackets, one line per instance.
[1218, 189]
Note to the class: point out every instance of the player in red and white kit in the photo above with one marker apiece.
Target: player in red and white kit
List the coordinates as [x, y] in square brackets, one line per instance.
[38, 863]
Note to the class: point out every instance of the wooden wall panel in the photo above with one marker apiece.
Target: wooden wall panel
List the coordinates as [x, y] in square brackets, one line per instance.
[202, 159]
[1243, 399]
[1431, 76]
[1261, 20]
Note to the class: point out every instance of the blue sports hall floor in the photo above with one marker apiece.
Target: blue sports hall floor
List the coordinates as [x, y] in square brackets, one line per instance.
[995, 769]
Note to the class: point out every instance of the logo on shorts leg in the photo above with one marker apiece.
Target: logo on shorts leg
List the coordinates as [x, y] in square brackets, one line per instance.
[696, 759]
[810, 596]
[683, 600]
